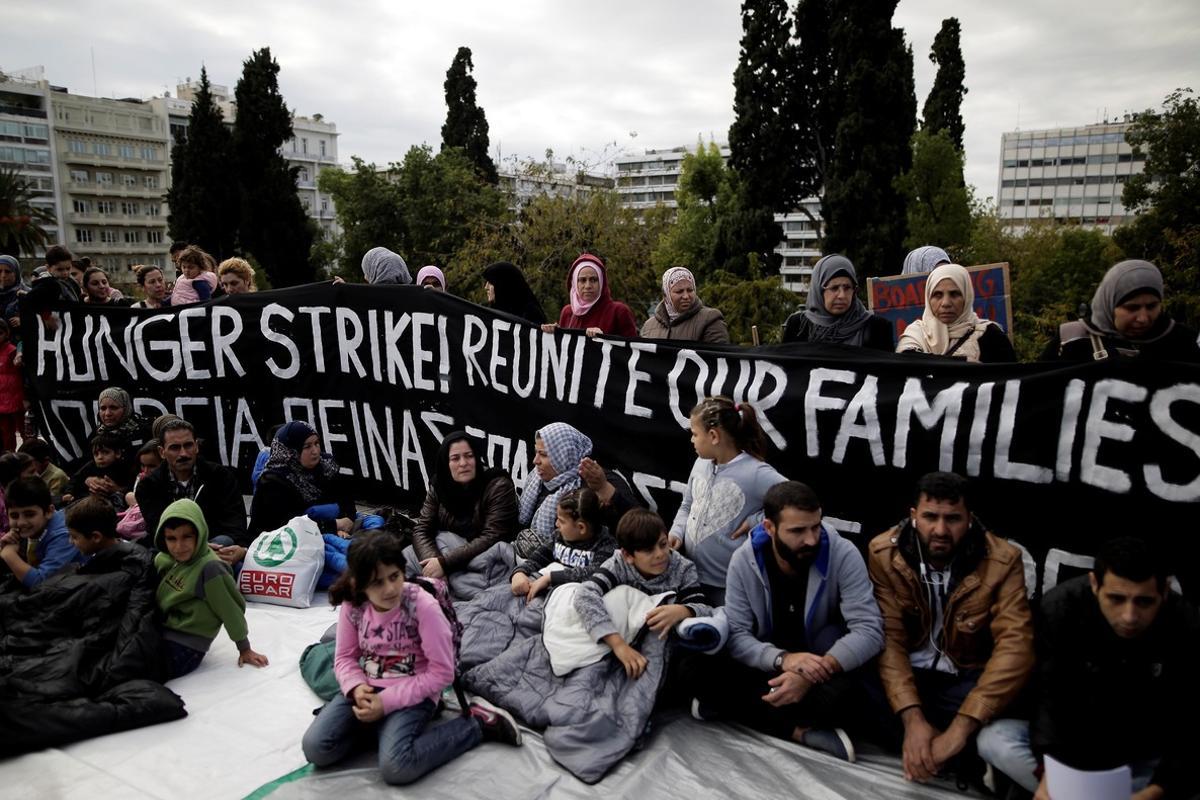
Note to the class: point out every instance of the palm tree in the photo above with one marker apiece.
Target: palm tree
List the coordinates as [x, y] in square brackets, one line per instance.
[21, 221]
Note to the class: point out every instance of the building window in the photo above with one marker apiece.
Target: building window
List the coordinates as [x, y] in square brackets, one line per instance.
[303, 176]
[150, 153]
[105, 206]
[133, 237]
[130, 181]
[150, 181]
[130, 208]
[303, 145]
[126, 151]
[154, 237]
[77, 146]
[293, 145]
[104, 178]
[80, 206]
[324, 205]
[108, 237]
[103, 149]
[83, 235]
[322, 148]
[153, 210]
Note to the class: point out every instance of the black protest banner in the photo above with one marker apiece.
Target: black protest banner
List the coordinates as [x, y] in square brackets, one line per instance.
[1060, 456]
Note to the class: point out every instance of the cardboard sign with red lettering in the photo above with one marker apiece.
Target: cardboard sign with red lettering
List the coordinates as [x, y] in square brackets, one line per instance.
[901, 298]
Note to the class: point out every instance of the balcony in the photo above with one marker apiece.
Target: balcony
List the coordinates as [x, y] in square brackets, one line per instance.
[117, 248]
[121, 162]
[22, 111]
[113, 190]
[96, 218]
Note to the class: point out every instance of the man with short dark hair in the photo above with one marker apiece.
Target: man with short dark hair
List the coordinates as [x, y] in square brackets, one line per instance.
[1117, 655]
[55, 281]
[185, 475]
[956, 618]
[802, 622]
[177, 247]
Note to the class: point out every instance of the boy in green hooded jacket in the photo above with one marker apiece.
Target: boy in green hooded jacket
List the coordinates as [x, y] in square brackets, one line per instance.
[196, 592]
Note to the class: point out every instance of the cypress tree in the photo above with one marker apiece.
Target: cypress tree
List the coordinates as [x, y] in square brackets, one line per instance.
[203, 198]
[760, 142]
[466, 125]
[864, 211]
[274, 226]
[943, 106]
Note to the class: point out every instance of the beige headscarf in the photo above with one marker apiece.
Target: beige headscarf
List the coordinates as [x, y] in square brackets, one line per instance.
[930, 335]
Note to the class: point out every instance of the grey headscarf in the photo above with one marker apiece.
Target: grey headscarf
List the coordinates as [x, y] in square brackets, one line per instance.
[846, 328]
[1122, 280]
[923, 260]
[382, 266]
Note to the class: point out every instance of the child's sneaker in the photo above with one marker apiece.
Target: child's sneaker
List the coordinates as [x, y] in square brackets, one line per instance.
[830, 740]
[702, 712]
[497, 724]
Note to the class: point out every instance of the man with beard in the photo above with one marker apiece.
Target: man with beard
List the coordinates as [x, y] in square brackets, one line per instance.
[802, 623]
[183, 474]
[959, 633]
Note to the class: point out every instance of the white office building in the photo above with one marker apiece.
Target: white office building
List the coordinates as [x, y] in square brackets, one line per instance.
[644, 180]
[1068, 174]
[25, 141]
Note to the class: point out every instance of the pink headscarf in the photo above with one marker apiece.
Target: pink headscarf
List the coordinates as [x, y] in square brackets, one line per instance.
[578, 307]
[431, 271]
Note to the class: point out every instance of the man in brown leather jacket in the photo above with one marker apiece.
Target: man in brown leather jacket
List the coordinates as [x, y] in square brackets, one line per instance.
[957, 625]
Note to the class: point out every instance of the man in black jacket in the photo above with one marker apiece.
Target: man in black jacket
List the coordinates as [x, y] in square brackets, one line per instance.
[183, 474]
[1117, 658]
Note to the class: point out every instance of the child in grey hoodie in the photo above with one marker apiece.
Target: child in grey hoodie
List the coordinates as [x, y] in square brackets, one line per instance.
[647, 563]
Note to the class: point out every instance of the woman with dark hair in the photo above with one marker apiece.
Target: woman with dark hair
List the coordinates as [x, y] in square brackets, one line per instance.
[833, 314]
[508, 291]
[1126, 319]
[154, 287]
[298, 477]
[97, 292]
[592, 308]
[475, 504]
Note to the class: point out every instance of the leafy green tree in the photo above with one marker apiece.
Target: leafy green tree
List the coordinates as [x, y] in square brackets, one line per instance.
[755, 299]
[466, 125]
[203, 198]
[274, 226]
[551, 232]
[943, 106]
[939, 205]
[703, 183]
[370, 212]
[864, 213]
[813, 105]
[1166, 196]
[21, 221]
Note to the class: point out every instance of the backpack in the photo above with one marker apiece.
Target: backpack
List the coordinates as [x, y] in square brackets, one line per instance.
[440, 591]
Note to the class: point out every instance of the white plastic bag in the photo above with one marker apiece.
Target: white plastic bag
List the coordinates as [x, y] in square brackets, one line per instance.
[282, 566]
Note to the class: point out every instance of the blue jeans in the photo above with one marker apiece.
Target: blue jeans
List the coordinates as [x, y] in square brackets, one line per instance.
[408, 746]
[1004, 744]
[181, 659]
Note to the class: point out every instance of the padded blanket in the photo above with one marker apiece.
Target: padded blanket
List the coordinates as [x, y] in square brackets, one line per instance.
[592, 717]
[489, 568]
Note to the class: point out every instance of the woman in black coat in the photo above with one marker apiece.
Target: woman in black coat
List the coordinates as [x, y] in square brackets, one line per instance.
[297, 477]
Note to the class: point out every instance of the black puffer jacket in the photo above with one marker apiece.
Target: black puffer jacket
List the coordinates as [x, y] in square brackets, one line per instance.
[80, 654]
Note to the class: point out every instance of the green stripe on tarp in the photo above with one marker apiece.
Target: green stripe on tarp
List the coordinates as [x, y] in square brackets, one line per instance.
[267, 788]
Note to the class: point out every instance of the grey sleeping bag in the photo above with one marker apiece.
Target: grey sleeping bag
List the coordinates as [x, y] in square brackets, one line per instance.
[591, 717]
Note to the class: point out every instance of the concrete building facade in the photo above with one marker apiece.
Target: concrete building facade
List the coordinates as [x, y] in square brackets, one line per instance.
[25, 141]
[649, 178]
[1068, 174]
[552, 180]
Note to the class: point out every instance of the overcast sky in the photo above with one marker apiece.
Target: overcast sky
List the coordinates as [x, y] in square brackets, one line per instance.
[594, 79]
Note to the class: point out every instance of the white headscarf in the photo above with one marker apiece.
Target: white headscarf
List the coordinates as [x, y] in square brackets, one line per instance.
[671, 277]
[930, 335]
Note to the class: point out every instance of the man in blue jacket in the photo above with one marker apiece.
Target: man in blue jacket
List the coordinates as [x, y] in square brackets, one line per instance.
[802, 620]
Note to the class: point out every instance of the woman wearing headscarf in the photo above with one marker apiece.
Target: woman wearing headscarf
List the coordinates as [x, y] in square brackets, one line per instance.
[949, 325]
[430, 277]
[115, 416]
[508, 291]
[297, 477]
[1126, 319]
[592, 308]
[924, 260]
[382, 267]
[833, 314]
[465, 498]
[682, 315]
[11, 287]
[562, 463]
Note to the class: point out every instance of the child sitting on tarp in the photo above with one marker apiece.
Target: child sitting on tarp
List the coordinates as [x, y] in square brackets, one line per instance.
[647, 563]
[41, 453]
[37, 544]
[581, 543]
[132, 525]
[107, 475]
[395, 654]
[196, 592]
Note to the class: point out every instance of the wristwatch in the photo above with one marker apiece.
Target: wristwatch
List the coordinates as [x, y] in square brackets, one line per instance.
[779, 662]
